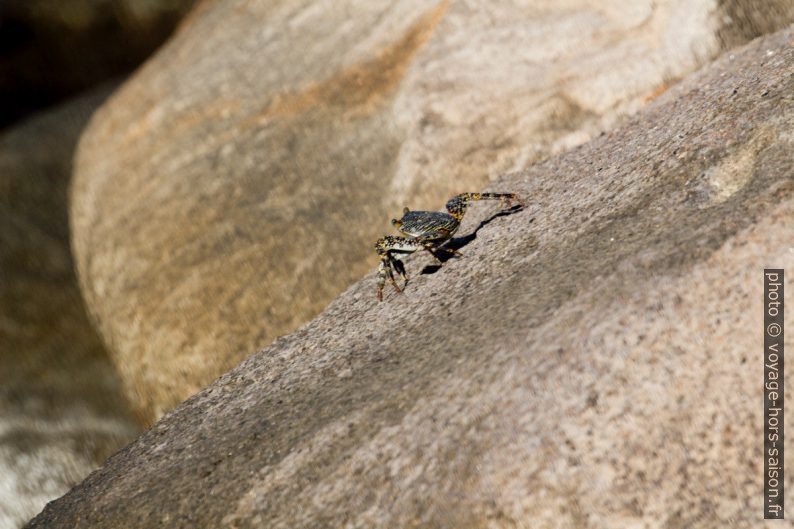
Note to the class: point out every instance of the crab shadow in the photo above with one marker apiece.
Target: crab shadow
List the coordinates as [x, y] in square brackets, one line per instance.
[446, 251]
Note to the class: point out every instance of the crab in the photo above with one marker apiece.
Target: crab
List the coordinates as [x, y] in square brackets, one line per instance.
[426, 230]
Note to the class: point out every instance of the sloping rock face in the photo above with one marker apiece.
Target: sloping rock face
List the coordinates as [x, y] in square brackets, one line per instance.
[235, 186]
[62, 412]
[593, 360]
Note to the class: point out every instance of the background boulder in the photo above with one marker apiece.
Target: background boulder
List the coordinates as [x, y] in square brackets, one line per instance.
[236, 184]
[61, 408]
[593, 360]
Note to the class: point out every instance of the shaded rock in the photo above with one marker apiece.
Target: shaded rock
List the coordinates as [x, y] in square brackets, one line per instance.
[743, 20]
[592, 360]
[236, 184]
[53, 49]
[61, 409]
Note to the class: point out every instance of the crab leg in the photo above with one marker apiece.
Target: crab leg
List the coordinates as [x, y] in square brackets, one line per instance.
[385, 272]
[388, 263]
[457, 205]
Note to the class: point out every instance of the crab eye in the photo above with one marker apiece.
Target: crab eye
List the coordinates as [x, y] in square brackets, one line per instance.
[396, 222]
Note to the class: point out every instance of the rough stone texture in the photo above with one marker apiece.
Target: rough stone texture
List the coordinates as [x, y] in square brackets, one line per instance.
[61, 408]
[53, 49]
[743, 20]
[593, 360]
[231, 189]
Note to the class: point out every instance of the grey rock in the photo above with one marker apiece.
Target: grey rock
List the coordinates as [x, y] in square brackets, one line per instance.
[592, 361]
[236, 184]
[61, 409]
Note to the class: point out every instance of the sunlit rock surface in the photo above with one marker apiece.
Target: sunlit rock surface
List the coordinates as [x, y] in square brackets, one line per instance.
[592, 361]
[236, 184]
